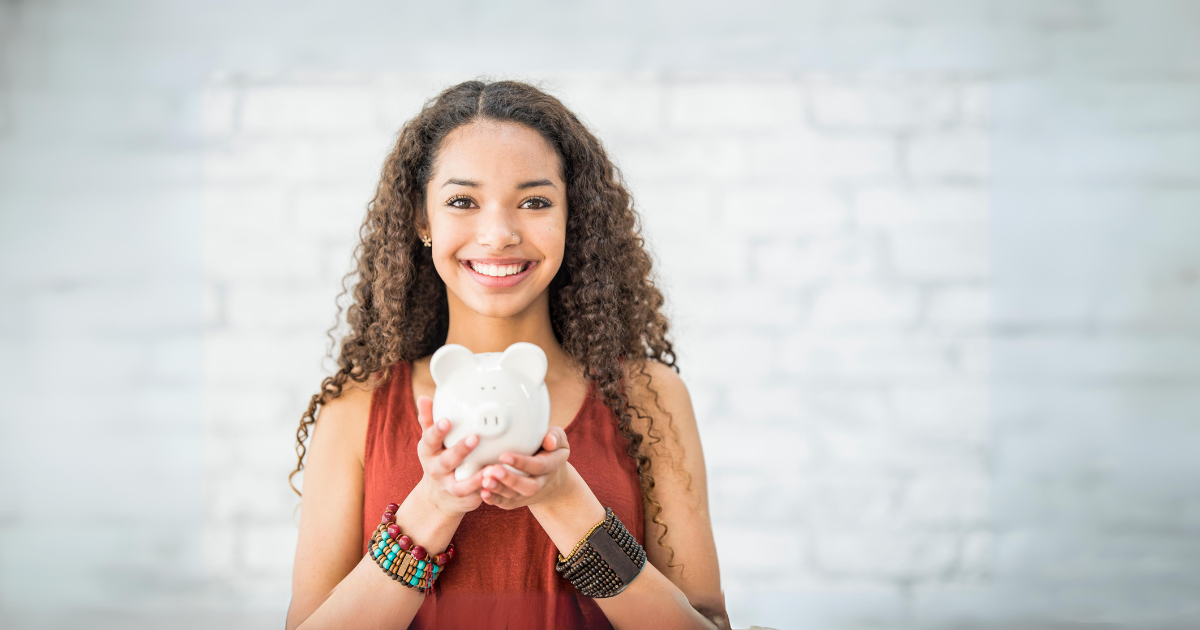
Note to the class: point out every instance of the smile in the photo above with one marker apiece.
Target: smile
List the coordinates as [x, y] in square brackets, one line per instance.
[499, 273]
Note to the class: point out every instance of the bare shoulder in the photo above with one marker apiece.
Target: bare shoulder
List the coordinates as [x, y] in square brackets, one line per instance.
[664, 404]
[342, 422]
[649, 374]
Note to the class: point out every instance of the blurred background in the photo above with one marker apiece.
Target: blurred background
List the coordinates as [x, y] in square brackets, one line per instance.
[932, 268]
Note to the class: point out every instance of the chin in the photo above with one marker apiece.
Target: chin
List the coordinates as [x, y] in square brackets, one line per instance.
[498, 306]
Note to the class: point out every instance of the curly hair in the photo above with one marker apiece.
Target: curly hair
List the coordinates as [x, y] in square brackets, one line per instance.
[605, 309]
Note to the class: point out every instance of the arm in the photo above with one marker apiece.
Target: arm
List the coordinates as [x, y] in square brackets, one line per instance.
[661, 595]
[333, 584]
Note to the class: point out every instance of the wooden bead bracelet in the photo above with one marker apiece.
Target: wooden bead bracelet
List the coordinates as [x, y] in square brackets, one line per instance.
[605, 561]
[403, 560]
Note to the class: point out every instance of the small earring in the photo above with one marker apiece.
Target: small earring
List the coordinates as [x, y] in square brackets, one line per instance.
[427, 239]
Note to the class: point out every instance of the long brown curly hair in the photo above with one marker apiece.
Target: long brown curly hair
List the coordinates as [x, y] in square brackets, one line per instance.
[605, 309]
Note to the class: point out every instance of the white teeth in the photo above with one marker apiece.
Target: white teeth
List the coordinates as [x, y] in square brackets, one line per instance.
[497, 271]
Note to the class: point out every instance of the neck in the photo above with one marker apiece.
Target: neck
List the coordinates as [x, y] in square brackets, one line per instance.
[480, 333]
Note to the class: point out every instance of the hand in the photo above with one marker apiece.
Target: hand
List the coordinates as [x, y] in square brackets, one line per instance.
[546, 469]
[451, 497]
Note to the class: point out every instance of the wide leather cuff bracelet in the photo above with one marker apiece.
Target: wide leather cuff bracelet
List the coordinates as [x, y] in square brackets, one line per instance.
[605, 561]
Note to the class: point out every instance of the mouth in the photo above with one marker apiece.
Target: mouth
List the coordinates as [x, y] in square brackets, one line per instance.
[499, 273]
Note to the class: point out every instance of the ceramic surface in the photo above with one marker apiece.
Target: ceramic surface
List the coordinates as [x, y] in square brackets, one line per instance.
[499, 396]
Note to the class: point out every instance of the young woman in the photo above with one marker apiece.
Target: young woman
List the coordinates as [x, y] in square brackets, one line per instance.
[499, 218]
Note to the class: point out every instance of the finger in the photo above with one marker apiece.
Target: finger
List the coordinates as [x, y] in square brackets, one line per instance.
[513, 485]
[450, 458]
[504, 482]
[433, 438]
[495, 486]
[556, 438]
[494, 499]
[468, 486]
[539, 464]
[425, 411]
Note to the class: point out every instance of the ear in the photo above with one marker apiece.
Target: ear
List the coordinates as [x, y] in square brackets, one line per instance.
[525, 359]
[449, 359]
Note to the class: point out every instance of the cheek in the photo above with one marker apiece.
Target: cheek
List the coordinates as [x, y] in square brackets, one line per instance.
[553, 243]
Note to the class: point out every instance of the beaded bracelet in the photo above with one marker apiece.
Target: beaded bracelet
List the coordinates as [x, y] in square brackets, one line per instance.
[402, 560]
[605, 561]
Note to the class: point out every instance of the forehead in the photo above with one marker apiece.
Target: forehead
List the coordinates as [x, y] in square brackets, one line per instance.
[495, 153]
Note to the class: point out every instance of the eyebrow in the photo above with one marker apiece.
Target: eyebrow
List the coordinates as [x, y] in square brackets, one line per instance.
[522, 186]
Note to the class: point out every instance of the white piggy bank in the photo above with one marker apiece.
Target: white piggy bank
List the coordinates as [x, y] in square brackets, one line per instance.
[499, 396]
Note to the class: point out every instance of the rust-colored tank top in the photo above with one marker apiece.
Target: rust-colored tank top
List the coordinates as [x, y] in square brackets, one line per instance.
[503, 574]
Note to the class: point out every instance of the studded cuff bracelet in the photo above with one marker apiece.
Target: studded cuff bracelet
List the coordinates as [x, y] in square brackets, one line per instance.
[605, 561]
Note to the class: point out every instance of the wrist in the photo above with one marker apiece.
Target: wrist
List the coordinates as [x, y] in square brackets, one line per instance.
[426, 522]
[570, 512]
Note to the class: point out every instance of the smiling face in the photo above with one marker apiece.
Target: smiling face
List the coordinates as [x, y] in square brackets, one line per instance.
[497, 210]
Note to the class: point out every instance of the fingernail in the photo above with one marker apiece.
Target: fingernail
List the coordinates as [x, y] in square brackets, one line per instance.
[443, 424]
[554, 441]
[472, 440]
[507, 459]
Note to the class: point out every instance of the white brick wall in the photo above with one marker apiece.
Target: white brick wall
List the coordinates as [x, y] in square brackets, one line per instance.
[1017, 453]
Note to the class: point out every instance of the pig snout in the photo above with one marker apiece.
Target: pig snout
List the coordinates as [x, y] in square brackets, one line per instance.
[491, 419]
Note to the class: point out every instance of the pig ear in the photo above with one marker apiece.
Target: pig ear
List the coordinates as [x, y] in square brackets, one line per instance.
[525, 359]
[449, 359]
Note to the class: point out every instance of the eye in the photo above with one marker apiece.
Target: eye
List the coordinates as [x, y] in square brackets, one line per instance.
[462, 202]
[538, 203]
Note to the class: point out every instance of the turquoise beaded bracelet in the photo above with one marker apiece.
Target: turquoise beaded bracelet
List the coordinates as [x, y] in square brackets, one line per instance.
[402, 560]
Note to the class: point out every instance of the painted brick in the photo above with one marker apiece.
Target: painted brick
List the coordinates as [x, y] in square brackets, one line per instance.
[906, 556]
[262, 545]
[690, 159]
[808, 157]
[307, 108]
[778, 452]
[893, 206]
[786, 549]
[665, 207]
[691, 256]
[249, 208]
[942, 413]
[949, 156]
[613, 105]
[402, 95]
[853, 305]
[740, 304]
[326, 210]
[264, 256]
[275, 307]
[961, 307]
[920, 252]
[904, 358]
[741, 105]
[888, 102]
[254, 162]
[798, 263]
[220, 107]
[798, 211]
[283, 360]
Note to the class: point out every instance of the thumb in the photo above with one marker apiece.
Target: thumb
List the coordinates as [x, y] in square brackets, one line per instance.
[555, 439]
[425, 411]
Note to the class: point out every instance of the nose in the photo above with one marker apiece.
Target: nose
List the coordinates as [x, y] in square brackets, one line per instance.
[498, 229]
[491, 419]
